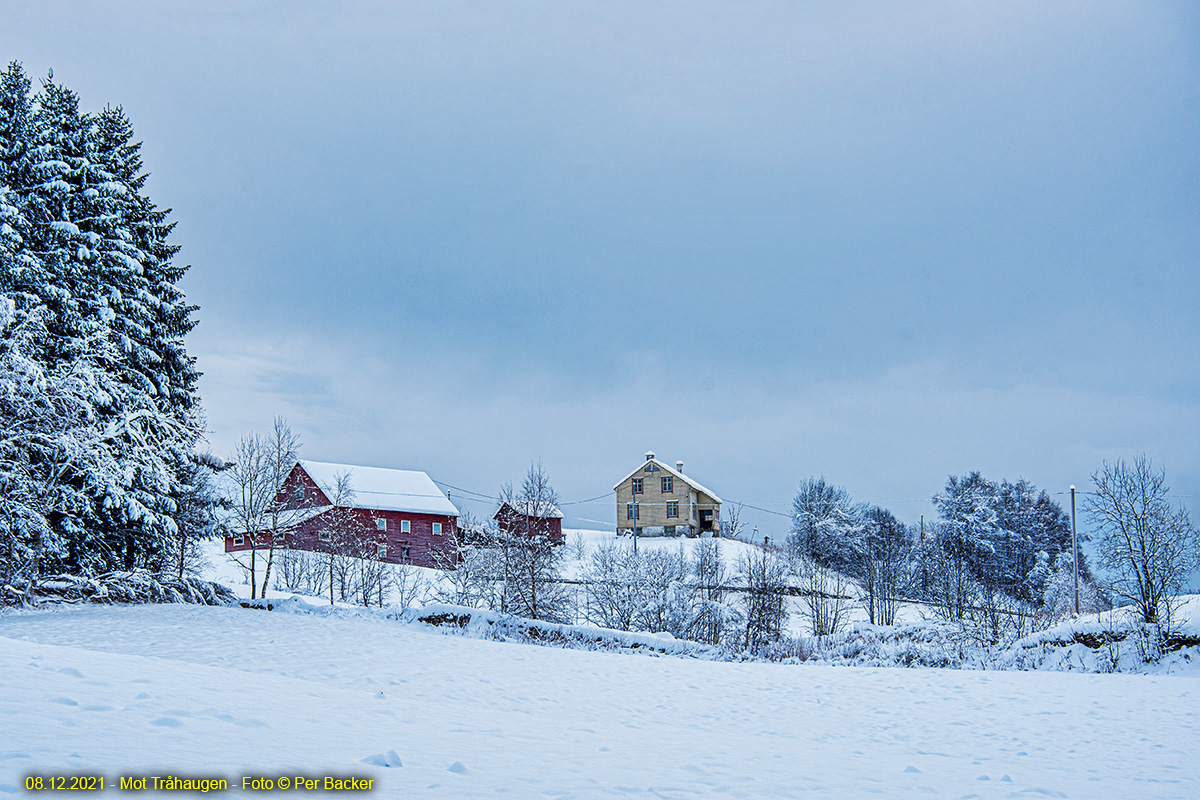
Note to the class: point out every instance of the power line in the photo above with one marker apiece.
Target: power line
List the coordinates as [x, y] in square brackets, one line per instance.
[764, 510]
[591, 500]
[467, 491]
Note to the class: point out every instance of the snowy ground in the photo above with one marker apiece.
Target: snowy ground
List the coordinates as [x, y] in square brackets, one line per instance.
[228, 692]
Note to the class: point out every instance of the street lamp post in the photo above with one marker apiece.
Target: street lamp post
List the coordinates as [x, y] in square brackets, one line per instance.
[1075, 549]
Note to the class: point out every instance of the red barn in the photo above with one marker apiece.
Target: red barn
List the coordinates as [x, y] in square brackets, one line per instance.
[544, 521]
[401, 515]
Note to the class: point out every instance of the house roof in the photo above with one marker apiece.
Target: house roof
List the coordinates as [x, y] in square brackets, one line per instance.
[672, 471]
[543, 511]
[383, 489]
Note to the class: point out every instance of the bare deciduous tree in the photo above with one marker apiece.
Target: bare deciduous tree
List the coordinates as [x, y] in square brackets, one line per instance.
[532, 585]
[732, 526]
[824, 591]
[1148, 545]
[879, 556]
[712, 616]
[259, 466]
[765, 601]
[612, 579]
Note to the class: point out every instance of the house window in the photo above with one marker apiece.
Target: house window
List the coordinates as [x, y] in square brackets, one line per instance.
[672, 509]
[637, 485]
[325, 536]
[437, 529]
[631, 511]
[238, 541]
[668, 485]
[404, 552]
[381, 551]
[381, 524]
[405, 526]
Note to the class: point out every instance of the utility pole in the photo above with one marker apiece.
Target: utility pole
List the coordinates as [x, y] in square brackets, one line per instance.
[636, 519]
[924, 562]
[1075, 549]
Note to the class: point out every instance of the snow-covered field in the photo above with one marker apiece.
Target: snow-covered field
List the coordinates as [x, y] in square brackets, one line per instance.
[220, 692]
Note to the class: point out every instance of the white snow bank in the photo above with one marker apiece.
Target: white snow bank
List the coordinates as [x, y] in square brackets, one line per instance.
[481, 623]
[202, 691]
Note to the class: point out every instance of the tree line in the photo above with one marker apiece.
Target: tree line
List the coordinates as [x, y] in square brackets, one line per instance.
[998, 559]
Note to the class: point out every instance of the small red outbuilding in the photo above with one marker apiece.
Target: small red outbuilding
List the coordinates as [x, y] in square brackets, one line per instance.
[545, 520]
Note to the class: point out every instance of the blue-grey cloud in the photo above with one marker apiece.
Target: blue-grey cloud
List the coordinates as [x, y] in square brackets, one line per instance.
[879, 243]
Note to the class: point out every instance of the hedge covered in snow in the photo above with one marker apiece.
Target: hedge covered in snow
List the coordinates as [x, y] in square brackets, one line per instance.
[132, 586]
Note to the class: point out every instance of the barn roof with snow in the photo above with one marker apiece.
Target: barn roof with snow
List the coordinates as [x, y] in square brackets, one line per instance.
[542, 510]
[383, 489]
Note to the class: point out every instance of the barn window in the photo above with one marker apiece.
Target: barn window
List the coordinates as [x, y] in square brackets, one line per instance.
[299, 492]
[238, 541]
[405, 526]
[668, 485]
[637, 485]
[325, 536]
[279, 537]
[672, 509]
[381, 551]
[404, 552]
[381, 524]
[437, 529]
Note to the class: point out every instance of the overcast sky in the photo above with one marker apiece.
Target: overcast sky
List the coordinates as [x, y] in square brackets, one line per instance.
[882, 242]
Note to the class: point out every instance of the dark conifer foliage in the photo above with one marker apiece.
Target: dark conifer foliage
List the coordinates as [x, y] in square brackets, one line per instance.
[98, 396]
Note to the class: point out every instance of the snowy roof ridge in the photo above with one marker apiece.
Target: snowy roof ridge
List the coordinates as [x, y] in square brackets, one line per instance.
[383, 488]
[544, 509]
[699, 487]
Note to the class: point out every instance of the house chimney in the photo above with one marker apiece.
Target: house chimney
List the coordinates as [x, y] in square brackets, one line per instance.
[679, 466]
[649, 455]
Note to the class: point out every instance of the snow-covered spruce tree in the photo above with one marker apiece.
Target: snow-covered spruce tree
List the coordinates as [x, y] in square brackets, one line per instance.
[86, 255]
[196, 515]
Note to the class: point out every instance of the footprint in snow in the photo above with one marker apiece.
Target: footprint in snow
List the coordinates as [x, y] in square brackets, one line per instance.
[388, 759]
[911, 768]
[167, 722]
[74, 673]
[457, 768]
[380, 695]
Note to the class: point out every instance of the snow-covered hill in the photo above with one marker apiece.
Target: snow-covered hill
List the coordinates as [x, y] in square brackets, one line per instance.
[223, 692]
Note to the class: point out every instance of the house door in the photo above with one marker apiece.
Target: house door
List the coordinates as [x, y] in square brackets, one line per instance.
[706, 519]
